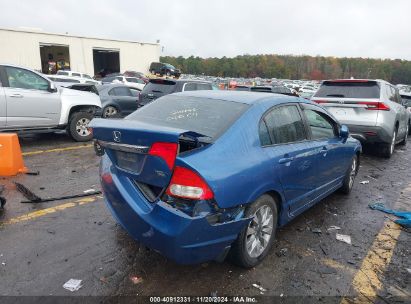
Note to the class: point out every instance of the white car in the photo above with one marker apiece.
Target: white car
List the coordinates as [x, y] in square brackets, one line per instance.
[133, 82]
[83, 78]
[30, 101]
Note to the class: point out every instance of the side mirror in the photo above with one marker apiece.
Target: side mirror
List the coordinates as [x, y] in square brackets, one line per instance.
[52, 87]
[344, 132]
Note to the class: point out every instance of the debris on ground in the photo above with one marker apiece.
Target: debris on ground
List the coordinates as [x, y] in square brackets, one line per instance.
[282, 252]
[33, 198]
[316, 230]
[365, 182]
[72, 285]
[136, 280]
[333, 228]
[33, 173]
[89, 191]
[343, 238]
[409, 270]
[406, 216]
[262, 289]
[41, 200]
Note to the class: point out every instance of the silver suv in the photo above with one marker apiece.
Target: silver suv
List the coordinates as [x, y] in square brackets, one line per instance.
[372, 109]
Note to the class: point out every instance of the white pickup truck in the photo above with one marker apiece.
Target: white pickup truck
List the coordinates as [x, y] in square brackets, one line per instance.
[30, 101]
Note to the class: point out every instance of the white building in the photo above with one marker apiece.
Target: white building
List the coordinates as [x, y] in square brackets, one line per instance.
[41, 51]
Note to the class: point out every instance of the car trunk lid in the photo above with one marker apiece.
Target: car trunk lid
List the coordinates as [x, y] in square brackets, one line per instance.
[146, 153]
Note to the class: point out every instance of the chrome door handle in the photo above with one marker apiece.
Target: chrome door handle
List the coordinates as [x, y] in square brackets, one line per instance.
[285, 160]
[16, 95]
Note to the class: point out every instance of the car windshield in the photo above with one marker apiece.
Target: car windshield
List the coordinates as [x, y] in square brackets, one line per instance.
[349, 89]
[208, 117]
[62, 73]
[162, 86]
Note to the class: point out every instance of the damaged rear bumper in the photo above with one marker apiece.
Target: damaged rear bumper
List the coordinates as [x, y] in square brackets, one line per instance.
[184, 239]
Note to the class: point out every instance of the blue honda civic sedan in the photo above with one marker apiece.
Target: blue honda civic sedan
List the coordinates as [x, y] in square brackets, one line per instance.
[202, 174]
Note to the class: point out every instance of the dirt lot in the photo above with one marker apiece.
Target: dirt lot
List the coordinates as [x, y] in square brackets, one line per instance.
[44, 245]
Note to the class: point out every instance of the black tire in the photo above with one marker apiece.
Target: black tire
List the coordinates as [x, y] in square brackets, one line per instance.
[168, 74]
[404, 141]
[238, 253]
[387, 148]
[409, 128]
[77, 127]
[109, 112]
[349, 178]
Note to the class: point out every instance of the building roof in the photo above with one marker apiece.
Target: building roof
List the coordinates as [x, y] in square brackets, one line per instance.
[33, 31]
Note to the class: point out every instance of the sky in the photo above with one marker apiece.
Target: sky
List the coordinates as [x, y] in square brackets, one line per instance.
[216, 28]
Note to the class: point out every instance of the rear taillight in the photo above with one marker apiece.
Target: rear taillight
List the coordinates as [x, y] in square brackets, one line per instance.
[166, 151]
[375, 105]
[187, 184]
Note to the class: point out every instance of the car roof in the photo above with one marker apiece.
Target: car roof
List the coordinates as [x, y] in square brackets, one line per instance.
[245, 97]
[109, 86]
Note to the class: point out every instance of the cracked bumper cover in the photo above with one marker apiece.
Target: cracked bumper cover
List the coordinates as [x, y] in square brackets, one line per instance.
[184, 239]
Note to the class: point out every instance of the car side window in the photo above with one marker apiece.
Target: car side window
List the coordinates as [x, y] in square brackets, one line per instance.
[190, 86]
[320, 125]
[76, 74]
[285, 125]
[24, 79]
[264, 135]
[134, 92]
[120, 91]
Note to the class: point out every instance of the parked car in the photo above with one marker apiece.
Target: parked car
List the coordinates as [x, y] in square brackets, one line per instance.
[62, 81]
[156, 88]
[164, 69]
[30, 101]
[195, 175]
[136, 74]
[371, 109]
[267, 89]
[134, 82]
[82, 77]
[118, 99]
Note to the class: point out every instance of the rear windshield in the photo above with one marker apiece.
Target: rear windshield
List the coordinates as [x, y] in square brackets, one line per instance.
[165, 87]
[208, 117]
[131, 79]
[62, 73]
[369, 89]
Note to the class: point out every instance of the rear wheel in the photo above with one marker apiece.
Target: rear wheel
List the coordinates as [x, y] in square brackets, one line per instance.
[109, 111]
[404, 141]
[78, 126]
[348, 182]
[388, 148]
[168, 74]
[255, 240]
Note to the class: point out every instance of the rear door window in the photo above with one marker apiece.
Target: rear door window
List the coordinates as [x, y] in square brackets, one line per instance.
[349, 89]
[285, 124]
[204, 86]
[209, 117]
[120, 91]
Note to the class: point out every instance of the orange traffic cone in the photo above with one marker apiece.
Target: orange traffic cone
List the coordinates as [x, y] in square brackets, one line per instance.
[11, 159]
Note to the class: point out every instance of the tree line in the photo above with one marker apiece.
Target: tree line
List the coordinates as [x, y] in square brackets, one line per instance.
[295, 67]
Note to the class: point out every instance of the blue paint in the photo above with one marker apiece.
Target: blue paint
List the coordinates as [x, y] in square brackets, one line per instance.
[237, 169]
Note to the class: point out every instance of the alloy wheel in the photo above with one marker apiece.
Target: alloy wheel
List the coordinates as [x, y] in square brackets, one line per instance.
[259, 231]
[82, 127]
[109, 111]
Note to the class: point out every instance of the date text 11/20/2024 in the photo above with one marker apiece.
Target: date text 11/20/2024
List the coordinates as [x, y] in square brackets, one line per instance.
[222, 299]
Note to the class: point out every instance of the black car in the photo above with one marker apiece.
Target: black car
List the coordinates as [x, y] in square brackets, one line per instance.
[156, 88]
[118, 100]
[164, 69]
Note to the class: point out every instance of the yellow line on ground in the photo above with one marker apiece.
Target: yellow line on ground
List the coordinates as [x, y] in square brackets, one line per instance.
[43, 212]
[367, 280]
[57, 150]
